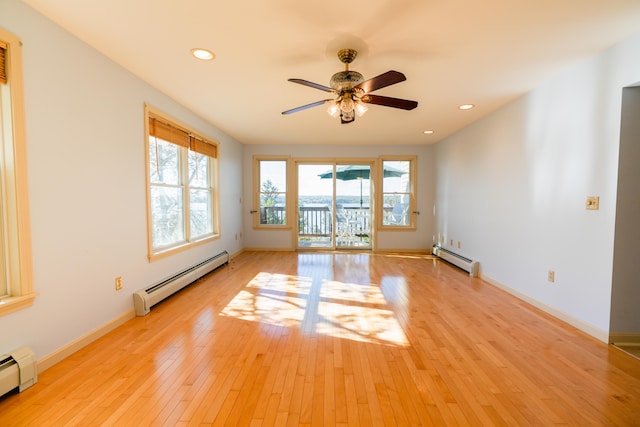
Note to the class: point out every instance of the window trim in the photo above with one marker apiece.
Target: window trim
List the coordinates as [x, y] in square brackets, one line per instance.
[256, 192]
[152, 254]
[412, 210]
[15, 197]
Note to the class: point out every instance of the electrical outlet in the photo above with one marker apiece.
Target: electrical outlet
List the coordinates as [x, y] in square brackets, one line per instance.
[459, 244]
[551, 276]
[118, 283]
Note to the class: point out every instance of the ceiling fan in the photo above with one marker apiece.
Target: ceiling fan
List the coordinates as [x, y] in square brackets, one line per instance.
[352, 91]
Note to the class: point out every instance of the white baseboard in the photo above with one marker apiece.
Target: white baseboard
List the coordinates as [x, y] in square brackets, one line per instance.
[269, 250]
[408, 251]
[67, 350]
[567, 318]
[236, 254]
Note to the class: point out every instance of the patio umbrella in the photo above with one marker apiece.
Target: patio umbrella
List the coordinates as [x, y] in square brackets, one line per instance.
[351, 172]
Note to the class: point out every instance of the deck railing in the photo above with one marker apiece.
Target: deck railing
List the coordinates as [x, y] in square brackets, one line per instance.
[273, 215]
[317, 221]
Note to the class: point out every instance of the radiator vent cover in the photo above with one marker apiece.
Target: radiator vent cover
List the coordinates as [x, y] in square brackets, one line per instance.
[17, 370]
[145, 298]
[468, 265]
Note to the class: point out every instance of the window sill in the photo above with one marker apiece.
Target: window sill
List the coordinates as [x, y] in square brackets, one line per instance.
[397, 228]
[11, 304]
[276, 227]
[170, 251]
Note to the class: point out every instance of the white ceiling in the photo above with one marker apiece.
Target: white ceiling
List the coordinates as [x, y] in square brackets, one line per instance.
[451, 51]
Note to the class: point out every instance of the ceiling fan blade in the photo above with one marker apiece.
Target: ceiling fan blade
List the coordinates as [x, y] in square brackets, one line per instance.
[386, 101]
[383, 80]
[312, 84]
[304, 107]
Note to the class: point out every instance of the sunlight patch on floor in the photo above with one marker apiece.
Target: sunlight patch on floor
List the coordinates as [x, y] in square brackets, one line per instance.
[359, 323]
[328, 307]
[351, 292]
[279, 310]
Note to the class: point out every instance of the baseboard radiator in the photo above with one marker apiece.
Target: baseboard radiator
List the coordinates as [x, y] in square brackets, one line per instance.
[17, 370]
[459, 261]
[144, 299]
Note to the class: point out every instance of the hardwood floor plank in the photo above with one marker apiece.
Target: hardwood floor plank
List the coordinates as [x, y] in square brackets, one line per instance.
[306, 407]
[344, 339]
[329, 387]
[295, 404]
[340, 391]
[353, 407]
[373, 402]
[318, 386]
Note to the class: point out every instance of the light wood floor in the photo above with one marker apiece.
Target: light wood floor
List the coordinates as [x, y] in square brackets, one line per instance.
[337, 339]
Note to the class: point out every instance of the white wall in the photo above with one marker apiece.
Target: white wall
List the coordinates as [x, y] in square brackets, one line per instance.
[85, 146]
[420, 239]
[512, 188]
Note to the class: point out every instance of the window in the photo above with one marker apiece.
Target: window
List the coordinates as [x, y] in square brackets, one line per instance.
[398, 192]
[16, 279]
[182, 196]
[270, 190]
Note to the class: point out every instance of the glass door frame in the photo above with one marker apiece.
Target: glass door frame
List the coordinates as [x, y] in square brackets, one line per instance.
[335, 226]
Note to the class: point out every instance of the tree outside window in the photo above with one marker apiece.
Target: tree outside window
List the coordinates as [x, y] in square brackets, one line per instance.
[271, 192]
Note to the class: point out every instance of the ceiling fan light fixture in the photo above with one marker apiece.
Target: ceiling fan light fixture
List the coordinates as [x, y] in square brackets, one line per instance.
[347, 116]
[361, 108]
[334, 109]
[347, 105]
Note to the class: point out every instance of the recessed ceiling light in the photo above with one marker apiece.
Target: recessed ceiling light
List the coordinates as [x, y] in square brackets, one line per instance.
[466, 107]
[428, 132]
[203, 54]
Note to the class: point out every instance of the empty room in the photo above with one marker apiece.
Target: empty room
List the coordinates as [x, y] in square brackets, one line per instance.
[319, 213]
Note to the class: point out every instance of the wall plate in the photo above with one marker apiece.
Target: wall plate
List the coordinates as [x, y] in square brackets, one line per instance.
[593, 203]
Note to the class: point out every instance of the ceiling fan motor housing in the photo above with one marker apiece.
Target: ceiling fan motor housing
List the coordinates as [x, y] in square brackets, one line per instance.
[345, 80]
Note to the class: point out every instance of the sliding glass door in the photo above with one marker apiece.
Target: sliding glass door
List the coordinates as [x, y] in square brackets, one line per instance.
[315, 206]
[334, 205]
